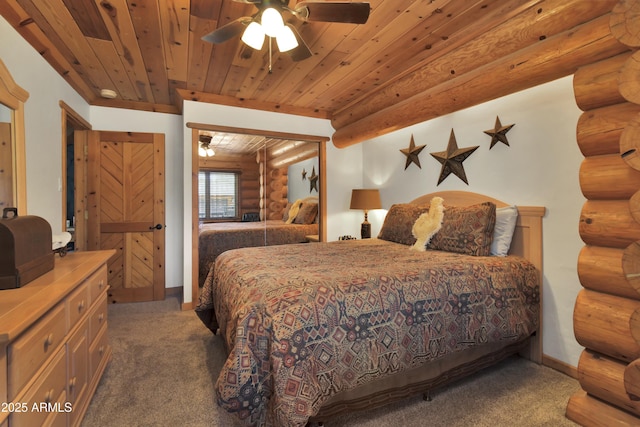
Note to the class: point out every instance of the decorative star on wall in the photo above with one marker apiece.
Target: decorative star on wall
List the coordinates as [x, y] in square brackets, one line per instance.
[412, 154]
[499, 133]
[452, 159]
[304, 174]
[313, 180]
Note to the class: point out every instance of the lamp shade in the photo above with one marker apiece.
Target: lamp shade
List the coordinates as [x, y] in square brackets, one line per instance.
[365, 199]
[272, 22]
[286, 39]
[254, 36]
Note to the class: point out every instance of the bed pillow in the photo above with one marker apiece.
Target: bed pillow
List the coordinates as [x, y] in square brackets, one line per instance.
[466, 230]
[307, 214]
[285, 214]
[506, 219]
[399, 221]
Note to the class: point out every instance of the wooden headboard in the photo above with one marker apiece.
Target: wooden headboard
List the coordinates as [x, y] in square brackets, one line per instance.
[526, 242]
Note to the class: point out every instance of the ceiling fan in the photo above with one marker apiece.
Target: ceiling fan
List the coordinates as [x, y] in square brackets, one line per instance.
[268, 22]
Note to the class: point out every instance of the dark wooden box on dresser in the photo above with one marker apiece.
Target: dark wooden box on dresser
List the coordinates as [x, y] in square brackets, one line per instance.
[54, 346]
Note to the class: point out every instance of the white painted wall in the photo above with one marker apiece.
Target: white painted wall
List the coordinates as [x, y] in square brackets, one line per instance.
[43, 133]
[538, 168]
[298, 188]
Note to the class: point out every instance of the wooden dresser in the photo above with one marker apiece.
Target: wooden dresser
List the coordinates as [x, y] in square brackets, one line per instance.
[53, 342]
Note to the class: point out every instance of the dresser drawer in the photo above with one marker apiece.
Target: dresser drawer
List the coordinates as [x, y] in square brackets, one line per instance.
[98, 351]
[28, 353]
[97, 316]
[97, 283]
[77, 304]
[44, 403]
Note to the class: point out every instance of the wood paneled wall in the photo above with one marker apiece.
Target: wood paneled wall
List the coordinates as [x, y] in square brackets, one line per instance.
[607, 309]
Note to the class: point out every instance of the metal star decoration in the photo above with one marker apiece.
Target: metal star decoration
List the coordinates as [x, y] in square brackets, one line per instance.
[304, 174]
[412, 154]
[452, 159]
[499, 133]
[313, 180]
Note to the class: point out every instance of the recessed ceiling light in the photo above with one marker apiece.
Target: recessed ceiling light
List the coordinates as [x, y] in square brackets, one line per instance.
[108, 93]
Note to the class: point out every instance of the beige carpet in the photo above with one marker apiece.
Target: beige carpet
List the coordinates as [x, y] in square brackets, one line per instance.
[165, 363]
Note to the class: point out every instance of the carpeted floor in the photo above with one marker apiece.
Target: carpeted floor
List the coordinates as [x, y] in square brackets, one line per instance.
[165, 363]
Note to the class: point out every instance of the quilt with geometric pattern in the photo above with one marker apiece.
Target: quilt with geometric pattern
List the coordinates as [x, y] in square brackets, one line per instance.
[303, 322]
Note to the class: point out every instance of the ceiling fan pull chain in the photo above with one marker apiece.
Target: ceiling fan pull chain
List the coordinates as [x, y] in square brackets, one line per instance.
[270, 55]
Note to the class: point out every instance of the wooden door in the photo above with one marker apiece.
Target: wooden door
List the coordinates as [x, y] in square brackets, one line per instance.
[125, 179]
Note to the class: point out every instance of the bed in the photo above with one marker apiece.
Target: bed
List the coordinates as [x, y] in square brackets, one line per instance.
[317, 329]
[218, 237]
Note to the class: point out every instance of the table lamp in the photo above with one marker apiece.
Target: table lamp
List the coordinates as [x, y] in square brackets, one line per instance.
[365, 199]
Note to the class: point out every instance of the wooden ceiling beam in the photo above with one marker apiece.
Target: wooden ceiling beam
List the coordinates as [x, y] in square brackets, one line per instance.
[210, 98]
[298, 154]
[526, 29]
[545, 61]
[444, 31]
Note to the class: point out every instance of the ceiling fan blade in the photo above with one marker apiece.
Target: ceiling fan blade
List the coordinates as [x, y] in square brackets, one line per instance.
[333, 11]
[300, 52]
[228, 31]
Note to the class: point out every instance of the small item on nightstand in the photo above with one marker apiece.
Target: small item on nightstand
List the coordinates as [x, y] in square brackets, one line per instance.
[346, 238]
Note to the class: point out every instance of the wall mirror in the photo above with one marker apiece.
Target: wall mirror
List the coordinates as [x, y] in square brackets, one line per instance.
[13, 191]
[272, 170]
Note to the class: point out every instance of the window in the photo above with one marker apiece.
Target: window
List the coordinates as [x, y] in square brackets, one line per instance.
[217, 195]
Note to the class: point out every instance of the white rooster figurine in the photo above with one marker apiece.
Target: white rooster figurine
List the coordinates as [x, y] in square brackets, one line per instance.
[428, 224]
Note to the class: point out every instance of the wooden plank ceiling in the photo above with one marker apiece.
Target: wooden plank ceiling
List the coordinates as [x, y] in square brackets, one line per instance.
[151, 54]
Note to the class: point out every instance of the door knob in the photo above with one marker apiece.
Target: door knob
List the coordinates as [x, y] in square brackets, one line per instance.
[157, 227]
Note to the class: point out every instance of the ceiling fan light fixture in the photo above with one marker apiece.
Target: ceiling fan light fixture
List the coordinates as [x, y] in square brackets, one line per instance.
[205, 150]
[253, 36]
[286, 40]
[272, 22]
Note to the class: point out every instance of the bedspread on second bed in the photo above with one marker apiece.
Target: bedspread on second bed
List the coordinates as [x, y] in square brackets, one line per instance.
[218, 237]
[303, 322]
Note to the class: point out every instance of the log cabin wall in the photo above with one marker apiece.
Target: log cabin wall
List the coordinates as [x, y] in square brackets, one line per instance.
[607, 309]
[277, 190]
[249, 190]
[273, 191]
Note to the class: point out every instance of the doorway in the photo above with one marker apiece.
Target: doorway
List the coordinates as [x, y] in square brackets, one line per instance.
[73, 180]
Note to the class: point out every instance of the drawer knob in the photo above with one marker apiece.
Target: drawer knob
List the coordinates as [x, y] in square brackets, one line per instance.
[48, 397]
[101, 350]
[100, 317]
[72, 382]
[48, 341]
[101, 284]
[80, 306]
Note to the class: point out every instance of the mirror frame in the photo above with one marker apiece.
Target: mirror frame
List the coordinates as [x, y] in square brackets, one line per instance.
[14, 97]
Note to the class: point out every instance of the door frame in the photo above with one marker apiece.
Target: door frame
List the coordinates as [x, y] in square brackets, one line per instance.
[322, 180]
[70, 118]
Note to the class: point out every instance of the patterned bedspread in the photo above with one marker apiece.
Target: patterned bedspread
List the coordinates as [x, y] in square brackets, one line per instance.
[218, 237]
[303, 322]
